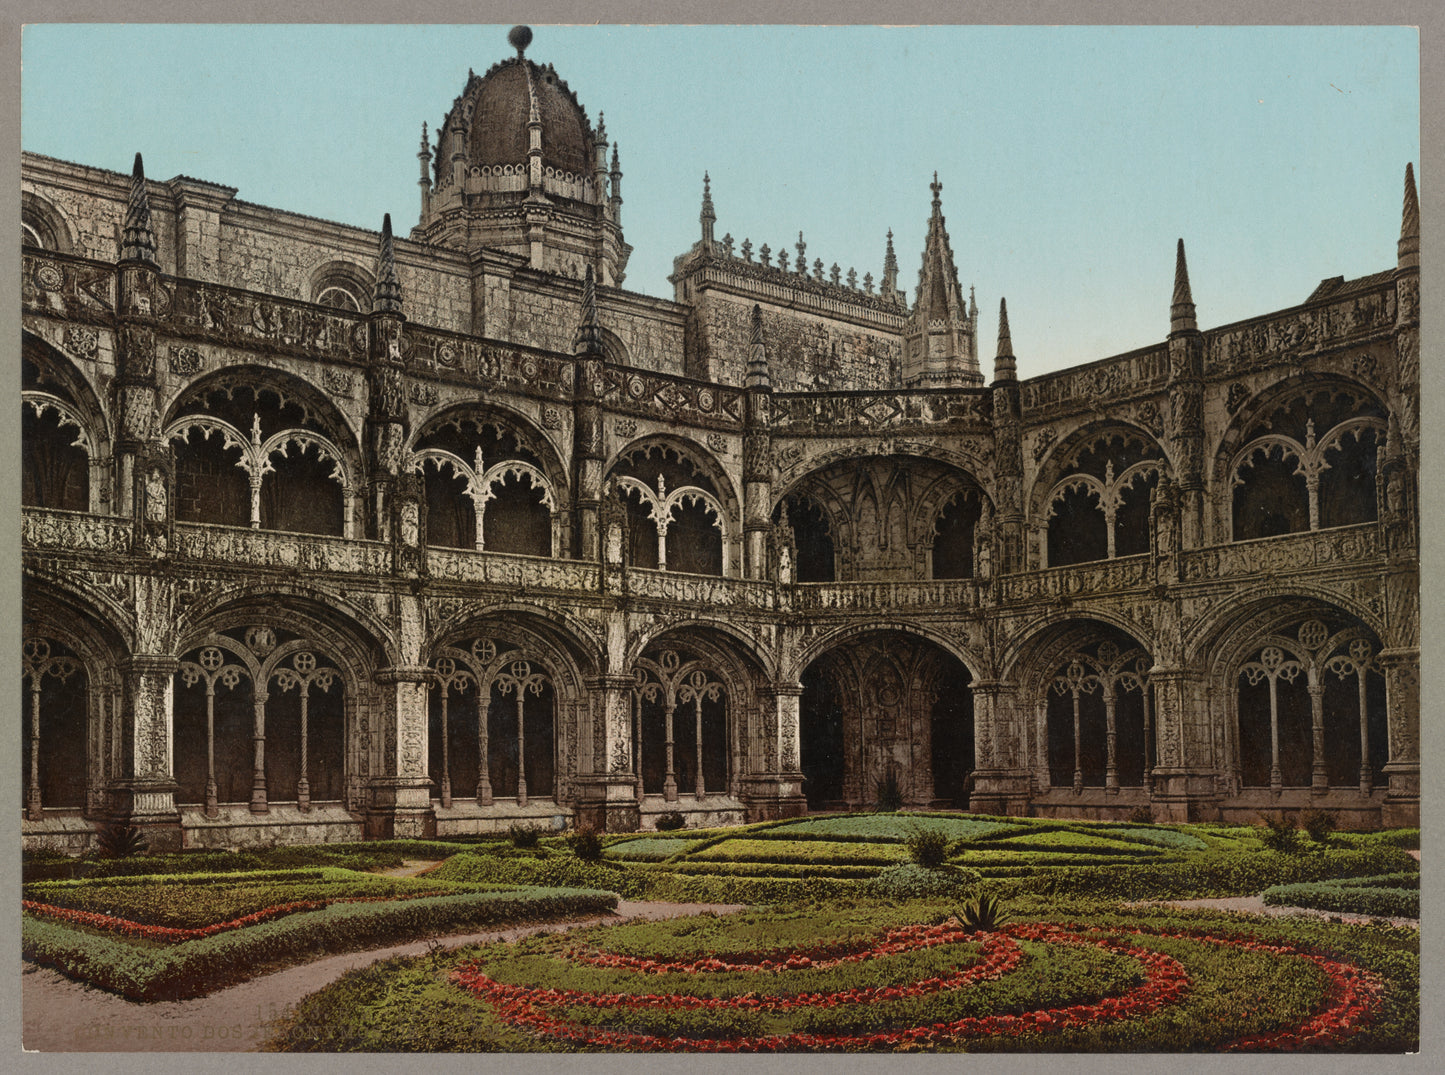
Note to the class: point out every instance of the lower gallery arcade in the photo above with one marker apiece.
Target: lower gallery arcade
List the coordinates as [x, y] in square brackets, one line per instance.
[274, 717]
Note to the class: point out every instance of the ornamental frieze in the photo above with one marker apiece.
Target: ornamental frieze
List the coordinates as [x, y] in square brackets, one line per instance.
[671, 398]
[1270, 341]
[811, 413]
[242, 318]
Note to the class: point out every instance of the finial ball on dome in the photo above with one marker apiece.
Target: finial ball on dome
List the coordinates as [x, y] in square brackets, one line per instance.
[519, 37]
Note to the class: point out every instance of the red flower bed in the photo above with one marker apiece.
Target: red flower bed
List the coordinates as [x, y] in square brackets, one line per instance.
[771, 960]
[1351, 998]
[127, 928]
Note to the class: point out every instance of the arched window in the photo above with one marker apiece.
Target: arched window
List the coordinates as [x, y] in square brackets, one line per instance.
[676, 520]
[683, 714]
[288, 747]
[812, 537]
[492, 724]
[1310, 708]
[954, 536]
[249, 456]
[1308, 463]
[55, 705]
[1099, 717]
[1099, 509]
[486, 490]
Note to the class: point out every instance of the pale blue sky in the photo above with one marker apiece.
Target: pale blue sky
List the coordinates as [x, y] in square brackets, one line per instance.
[1071, 158]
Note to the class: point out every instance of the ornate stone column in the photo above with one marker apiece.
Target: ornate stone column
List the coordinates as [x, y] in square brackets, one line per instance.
[1402, 708]
[608, 798]
[147, 799]
[1184, 772]
[401, 795]
[1001, 771]
[587, 445]
[757, 454]
[778, 793]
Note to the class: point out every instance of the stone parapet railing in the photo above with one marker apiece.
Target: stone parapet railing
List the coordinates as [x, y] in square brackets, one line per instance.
[935, 594]
[77, 531]
[519, 572]
[1077, 580]
[832, 413]
[271, 548]
[1336, 547]
[711, 591]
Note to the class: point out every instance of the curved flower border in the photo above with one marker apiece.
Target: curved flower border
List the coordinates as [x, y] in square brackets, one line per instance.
[126, 927]
[818, 957]
[1351, 998]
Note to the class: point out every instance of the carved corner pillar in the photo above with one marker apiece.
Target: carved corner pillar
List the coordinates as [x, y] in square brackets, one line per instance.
[1402, 709]
[757, 482]
[607, 797]
[147, 799]
[778, 793]
[1186, 430]
[401, 796]
[386, 418]
[1001, 772]
[1010, 549]
[153, 497]
[408, 541]
[1185, 785]
[587, 456]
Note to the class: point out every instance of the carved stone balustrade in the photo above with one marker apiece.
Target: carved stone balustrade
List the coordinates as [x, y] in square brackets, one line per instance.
[517, 572]
[75, 531]
[1333, 548]
[270, 548]
[60, 285]
[1078, 580]
[886, 597]
[712, 591]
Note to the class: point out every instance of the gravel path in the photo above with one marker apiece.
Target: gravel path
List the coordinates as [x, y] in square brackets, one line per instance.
[62, 1015]
[1256, 905]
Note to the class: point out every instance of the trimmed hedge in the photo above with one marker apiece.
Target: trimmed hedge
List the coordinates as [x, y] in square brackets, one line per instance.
[910, 881]
[1395, 895]
[195, 968]
[645, 881]
[1228, 874]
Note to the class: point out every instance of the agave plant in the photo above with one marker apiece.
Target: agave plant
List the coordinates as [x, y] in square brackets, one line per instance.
[119, 840]
[982, 914]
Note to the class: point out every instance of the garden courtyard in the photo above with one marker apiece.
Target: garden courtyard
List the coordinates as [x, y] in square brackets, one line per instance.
[886, 931]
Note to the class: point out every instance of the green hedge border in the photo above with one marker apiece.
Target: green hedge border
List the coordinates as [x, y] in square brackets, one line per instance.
[195, 968]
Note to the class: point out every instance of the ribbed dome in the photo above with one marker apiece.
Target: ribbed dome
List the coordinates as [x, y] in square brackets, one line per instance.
[501, 106]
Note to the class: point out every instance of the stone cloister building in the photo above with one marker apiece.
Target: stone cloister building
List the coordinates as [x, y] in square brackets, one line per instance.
[330, 534]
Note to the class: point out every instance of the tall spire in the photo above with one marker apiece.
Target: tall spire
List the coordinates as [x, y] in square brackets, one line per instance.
[1004, 367]
[939, 346]
[708, 217]
[387, 297]
[1409, 245]
[890, 269]
[138, 241]
[758, 375]
[589, 331]
[1181, 313]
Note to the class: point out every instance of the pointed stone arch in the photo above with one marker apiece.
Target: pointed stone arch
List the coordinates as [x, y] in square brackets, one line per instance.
[1294, 454]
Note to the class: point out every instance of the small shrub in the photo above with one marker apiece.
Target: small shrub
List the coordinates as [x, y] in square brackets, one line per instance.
[524, 835]
[1141, 815]
[889, 793]
[927, 847]
[908, 881]
[586, 844]
[120, 840]
[983, 913]
[1279, 834]
[671, 820]
[1319, 824]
